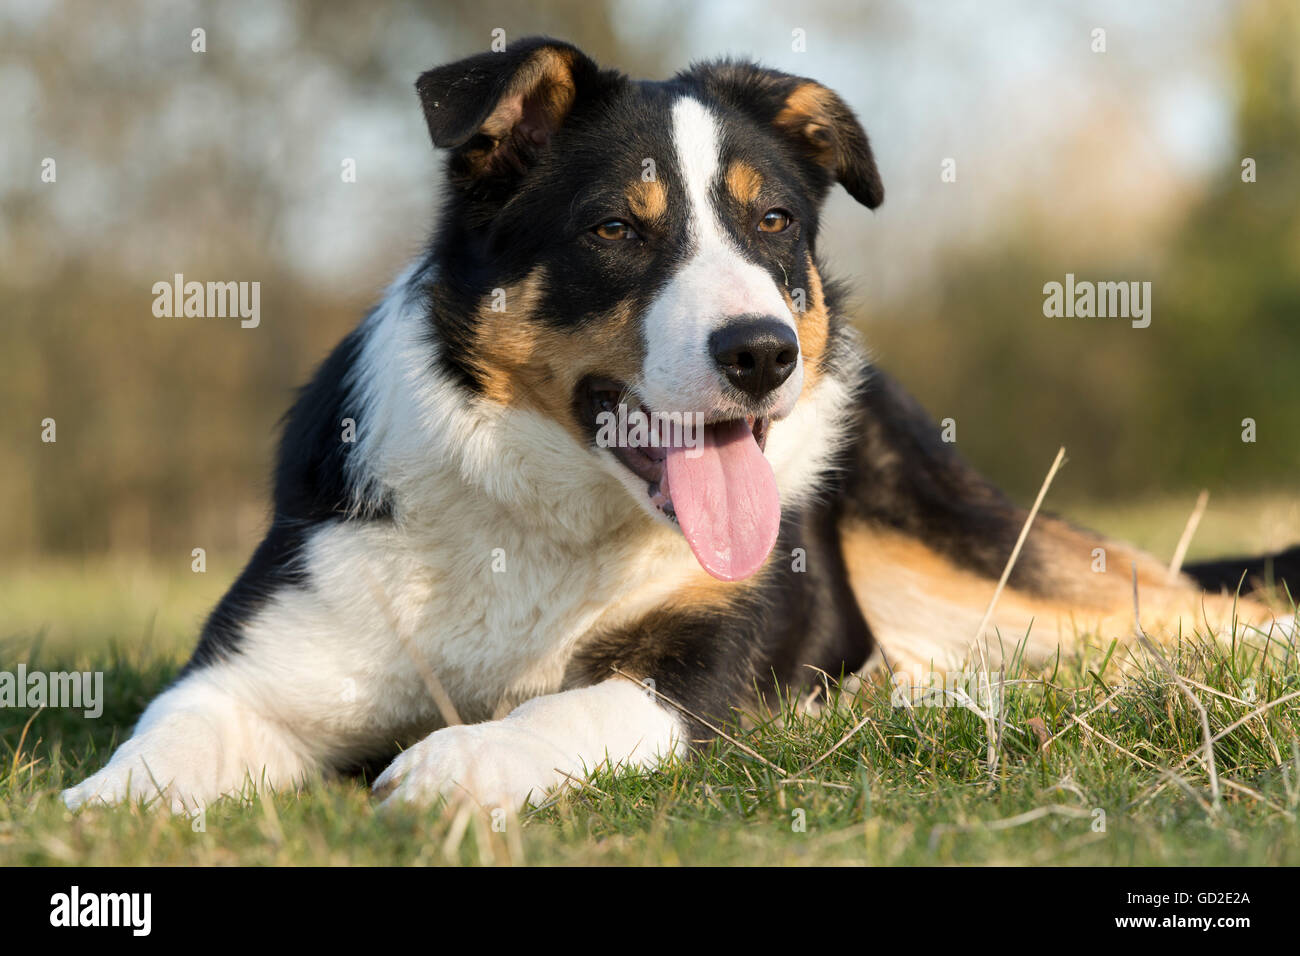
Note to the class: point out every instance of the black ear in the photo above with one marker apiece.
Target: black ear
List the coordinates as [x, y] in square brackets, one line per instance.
[817, 123]
[499, 109]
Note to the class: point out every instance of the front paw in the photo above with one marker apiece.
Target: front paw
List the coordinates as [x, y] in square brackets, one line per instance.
[174, 779]
[495, 765]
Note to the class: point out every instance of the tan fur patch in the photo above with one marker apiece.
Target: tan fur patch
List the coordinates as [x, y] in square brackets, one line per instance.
[708, 595]
[647, 200]
[743, 182]
[523, 362]
[544, 83]
[925, 611]
[812, 325]
[1067, 559]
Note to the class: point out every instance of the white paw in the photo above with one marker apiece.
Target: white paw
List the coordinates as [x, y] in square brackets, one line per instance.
[156, 767]
[1287, 627]
[1281, 628]
[497, 764]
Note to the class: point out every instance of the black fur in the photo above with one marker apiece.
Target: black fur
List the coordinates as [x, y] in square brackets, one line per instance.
[274, 566]
[1227, 574]
[312, 486]
[904, 476]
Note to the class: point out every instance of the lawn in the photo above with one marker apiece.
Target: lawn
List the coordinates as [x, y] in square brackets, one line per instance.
[1100, 759]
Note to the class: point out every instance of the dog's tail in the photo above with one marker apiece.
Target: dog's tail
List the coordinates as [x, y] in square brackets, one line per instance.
[1280, 569]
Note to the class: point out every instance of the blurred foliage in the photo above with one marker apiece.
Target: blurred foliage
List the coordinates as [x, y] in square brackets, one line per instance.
[1140, 411]
[166, 427]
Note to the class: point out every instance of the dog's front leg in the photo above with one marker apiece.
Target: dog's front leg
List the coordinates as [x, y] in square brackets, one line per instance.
[543, 743]
[194, 743]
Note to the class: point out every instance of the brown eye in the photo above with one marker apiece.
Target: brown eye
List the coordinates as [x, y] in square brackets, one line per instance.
[774, 220]
[615, 230]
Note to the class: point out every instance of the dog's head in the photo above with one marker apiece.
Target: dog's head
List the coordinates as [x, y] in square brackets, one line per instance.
[636, 262]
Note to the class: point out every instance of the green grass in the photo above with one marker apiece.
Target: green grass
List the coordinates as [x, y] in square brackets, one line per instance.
[912, 785]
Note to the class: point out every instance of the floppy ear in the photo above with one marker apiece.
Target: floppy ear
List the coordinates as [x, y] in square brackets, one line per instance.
[812, 118]
[498, 110]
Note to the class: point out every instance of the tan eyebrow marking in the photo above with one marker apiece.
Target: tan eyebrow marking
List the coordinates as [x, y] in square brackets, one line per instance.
[647, 200]
[743, 182]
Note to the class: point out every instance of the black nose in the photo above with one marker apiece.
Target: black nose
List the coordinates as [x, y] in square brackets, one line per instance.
[755, 353]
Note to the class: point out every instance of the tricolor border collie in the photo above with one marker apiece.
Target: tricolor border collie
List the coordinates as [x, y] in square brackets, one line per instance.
[482, 590]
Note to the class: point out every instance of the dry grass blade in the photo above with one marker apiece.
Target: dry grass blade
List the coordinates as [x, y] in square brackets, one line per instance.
[1193, 521]
[813, 782]
[579, 783]
[1087, 713]
[993, 735]
[838, 744]
[1099, 735]
[1257, 712]
[18, 750]
[1182, 784]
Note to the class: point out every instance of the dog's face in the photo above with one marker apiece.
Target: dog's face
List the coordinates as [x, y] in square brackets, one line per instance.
[636, 262]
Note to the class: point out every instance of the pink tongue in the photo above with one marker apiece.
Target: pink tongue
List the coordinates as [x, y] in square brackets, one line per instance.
[725, 497]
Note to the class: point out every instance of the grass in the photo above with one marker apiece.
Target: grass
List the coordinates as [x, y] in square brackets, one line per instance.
[1122, 778]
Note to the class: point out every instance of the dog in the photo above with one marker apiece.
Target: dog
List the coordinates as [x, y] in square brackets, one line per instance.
[470, 572]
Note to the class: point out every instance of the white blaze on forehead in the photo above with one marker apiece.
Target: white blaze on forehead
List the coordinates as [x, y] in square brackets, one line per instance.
[695, 138]
[715, 285]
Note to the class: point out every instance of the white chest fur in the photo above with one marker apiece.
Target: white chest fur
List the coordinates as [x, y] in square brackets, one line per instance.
[508, 544]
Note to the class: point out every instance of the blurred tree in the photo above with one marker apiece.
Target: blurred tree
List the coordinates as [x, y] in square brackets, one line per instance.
[1234, 276]
[1141, 411]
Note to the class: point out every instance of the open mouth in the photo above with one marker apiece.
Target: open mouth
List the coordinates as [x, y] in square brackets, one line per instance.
[709, 477]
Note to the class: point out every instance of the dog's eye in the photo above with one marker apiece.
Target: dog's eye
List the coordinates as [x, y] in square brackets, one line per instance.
[615, 230]
[775, 220]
